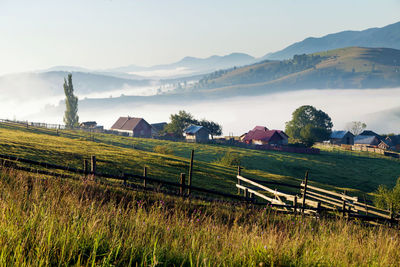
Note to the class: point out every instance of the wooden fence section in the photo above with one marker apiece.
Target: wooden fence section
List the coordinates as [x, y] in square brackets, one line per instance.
[125, 178]
[311, 200]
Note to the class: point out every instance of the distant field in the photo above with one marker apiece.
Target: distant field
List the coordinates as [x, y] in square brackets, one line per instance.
[118, 154]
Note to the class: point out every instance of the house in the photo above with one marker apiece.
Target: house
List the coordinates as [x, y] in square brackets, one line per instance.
[385, 144]
[135, 127]
[88, 124]
[341, 137]
[393, 141]
[156, 128]
[366, 140]
[371, 133]
[196, 133]
[261, 135]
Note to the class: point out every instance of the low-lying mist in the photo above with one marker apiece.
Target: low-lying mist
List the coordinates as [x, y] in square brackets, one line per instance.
[240, 114]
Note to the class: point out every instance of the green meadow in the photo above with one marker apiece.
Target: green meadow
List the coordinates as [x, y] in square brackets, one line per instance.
[356, 173]
[48, 221]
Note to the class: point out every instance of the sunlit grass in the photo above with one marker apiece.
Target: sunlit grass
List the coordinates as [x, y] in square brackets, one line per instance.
[118, 154]
[61, 222]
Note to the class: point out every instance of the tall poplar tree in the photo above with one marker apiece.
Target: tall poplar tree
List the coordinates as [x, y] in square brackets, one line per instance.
[71, 118]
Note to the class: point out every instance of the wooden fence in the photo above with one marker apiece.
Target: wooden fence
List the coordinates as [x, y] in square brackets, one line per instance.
[127, 179]
[311, 200]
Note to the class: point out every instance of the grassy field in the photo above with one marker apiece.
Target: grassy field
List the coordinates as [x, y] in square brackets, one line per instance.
[116, 154]
[62, 222]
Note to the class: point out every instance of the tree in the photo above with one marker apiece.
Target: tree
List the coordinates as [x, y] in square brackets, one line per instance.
[179, 122]
[309, 125]
[183, 119]
[214, 128]
[356, 127]
[71, 118]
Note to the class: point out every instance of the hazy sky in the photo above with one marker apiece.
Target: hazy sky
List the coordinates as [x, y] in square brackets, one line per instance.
[108, 33]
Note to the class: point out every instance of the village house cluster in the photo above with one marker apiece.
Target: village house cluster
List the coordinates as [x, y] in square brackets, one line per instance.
[259, 137]
[366, 139]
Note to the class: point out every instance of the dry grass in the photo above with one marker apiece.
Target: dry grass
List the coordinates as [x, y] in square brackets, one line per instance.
[58, 222]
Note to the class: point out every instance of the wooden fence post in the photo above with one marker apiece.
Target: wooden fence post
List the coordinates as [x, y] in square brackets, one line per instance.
[318, 207]
[144, 176]
[93, 165]
[85, 167]
[190, 171]
[391, 213]
[295, 205]
[246, 193]
[239, 174]
[182, 182]
[344, 208]
[304, 193]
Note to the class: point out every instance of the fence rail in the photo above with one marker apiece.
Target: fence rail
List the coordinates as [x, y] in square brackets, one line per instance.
[312, 200]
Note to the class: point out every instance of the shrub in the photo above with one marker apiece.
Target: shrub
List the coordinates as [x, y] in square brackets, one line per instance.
[388, 198]
[163, 150]
[230, 159]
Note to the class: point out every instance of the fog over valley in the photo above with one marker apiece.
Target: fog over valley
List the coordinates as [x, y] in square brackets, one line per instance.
[236, 114]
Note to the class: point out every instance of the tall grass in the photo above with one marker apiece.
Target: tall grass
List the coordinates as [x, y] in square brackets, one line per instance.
[48, 221]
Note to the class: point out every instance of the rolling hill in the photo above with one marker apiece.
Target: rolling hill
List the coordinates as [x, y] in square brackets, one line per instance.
[388, 36]
[352, 67]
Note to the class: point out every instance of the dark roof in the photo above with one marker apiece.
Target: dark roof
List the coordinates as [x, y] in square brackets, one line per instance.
[394, 139]
[159, 126]
[370, 133]
[365, 139]
[192, 129]
[263, 134]
[89, 123]
[339, 134]
[126, 123]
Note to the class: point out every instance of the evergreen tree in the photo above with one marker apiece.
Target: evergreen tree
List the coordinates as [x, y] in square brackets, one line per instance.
[71, 118]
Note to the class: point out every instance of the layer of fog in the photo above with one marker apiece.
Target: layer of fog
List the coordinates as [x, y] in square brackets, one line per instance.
[163, 73]
[22, 95]
[240, 114]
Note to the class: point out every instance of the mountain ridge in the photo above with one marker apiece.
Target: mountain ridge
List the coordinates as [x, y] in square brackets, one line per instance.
[383, 37]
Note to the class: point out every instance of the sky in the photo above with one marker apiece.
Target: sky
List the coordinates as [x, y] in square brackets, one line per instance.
[101, 34]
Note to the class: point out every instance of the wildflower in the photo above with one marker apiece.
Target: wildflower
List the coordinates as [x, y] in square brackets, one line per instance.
[265, 247]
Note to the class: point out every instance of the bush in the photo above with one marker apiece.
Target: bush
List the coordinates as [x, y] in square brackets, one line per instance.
[163, 150]
[230, 159]
[386, 198]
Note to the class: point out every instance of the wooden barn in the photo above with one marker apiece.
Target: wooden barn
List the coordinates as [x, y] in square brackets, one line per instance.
[260, 135]
[196, 134]
[341, 137]
[135, 127]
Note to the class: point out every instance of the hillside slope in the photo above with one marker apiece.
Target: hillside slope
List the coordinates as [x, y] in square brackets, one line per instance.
[388, 36]
[352, 67]
[118, 155]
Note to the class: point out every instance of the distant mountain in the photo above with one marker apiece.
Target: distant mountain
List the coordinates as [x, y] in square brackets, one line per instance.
[190, 66]
[388, 37]
[352, 67]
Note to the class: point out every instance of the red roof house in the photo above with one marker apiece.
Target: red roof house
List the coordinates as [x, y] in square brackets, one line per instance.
[261, 136]
[136, 127]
